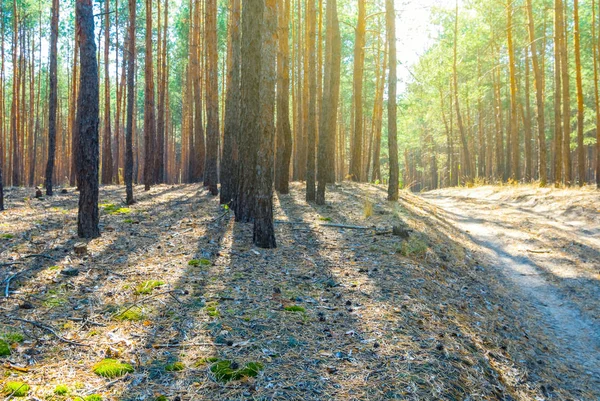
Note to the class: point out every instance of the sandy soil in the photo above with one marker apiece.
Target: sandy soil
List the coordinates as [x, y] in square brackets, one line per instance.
[547, 243]
[333, 313]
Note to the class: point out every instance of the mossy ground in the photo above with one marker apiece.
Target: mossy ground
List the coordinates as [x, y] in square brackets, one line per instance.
[148, 286]
[112, 368]
[16, 389]
[225, 371]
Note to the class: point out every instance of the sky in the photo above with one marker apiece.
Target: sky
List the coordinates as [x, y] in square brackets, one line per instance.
[415, 33]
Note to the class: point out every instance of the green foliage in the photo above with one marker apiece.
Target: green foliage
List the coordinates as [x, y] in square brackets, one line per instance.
[294, 308]
[61, 389]
[413, 247]
[161, 398]
[12, 337]
[111, 208]
[112, 368]
[325, 218]
[175, 367]
[4, 348]
[16, 389]
[6, 236]
[225, 371]
[148, 286]
[199, 262]
[211, 309]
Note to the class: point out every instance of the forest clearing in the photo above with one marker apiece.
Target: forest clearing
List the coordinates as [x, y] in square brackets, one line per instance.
[332, 313]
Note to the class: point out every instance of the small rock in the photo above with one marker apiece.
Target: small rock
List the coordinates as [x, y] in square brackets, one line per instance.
[26, 305]
[38, 193]
[80, 248]
[63, 191]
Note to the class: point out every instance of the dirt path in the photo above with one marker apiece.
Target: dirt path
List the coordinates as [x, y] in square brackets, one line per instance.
[548, 252]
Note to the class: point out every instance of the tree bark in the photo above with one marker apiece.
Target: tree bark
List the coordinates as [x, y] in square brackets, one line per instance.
[356, 169]
[390, 18]
[284, 132]
[312, 104]
[580, 147]
[107, 160]
[211, 174]
[87, 121]
[130, 104]
[149, 114]
[52, 97]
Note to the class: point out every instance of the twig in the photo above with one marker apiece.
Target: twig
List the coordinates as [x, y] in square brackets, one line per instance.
[144, 300]
[50, 330]
[180, 345]
[7, 280]
[39, 255]
[345, 226]
[12, 263]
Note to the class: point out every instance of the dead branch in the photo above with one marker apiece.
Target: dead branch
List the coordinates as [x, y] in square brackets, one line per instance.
[50, 330]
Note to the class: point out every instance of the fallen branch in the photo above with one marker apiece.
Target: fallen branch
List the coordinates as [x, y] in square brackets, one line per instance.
[50, 330]
[7, 281]
[39, 255]
[539, 250]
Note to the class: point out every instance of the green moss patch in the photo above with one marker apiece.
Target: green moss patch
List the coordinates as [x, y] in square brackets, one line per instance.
[134, 314]
[325, 218]
[226, 371]
[175, 367]
[16, 389]
[112, 368]
[4, 348]
[91, 397]
[413, 247]
[294, 308]
[199, 262]
[147, 286]
[111, 208]
[6, 236]
[211, 309]
[61, 389]
[12, 337]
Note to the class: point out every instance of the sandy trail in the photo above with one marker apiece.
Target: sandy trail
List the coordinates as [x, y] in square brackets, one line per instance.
[549, 250]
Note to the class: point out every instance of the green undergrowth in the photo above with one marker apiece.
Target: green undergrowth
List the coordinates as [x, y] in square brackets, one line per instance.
[16, 389]
[199, 262]
[61, 389]
[175, 367]
[225, 371]
[112, 368]
[148, 286]
[111, 208]
[6, 236]
[294, 308]
[134, 314]
[91, 397]
[212, 310]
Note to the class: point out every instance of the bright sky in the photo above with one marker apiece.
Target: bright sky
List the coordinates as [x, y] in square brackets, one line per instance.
[415, 33]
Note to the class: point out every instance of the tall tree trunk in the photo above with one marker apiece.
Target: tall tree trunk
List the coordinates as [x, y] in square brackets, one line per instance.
[231, 136]
[197, 151]
[149, 114]
[88, 120]
[390, 18]
[73, 180]
[596, 51]
[119, 93]
[359, 61]
[558, 131]
[52, 97]
[245, 196]
[211, 174]
[526, 114]
[580, 147]
[284, 132]
[514, 133]
[329, 105]
[312, 104]
[264, 231]
[130, 104]
[107, 160]
[566, 114]
[539, 95]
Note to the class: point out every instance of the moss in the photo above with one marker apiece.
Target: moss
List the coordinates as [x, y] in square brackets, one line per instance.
[199, 262]
[226, 371]
[111, 208]
[413, 247]
[112, 368]
[54, 268]
[294, 308]
[147, 286]
[54, 301]
[16, 389]
[7, 236]
[61, 389]
[12, 337]
[175, 367]
[161, 398]
[4, 348]
[93, 397]
[134, 314]
[211, 309]
[325, 218]
[206, 361]
[129, 221]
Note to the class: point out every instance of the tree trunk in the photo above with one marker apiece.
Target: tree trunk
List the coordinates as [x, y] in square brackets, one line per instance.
[359, 61]
[514, 133]
[312, 104]
[130, 104]
[596, 50]
[87, 121]
[264, 232]
[566, 114]
[539, 95]
[52, 97]
[231, 136]
[107, 160]
[329, 105]
[149, 116]
[580, 148]
[284, 133]
[558, 131]
[211, 175]
[390, 18]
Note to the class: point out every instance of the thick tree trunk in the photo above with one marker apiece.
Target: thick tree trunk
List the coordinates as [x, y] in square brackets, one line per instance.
[130, 105]
[87, 121]
[390, 18]
[264, 231]
[231, 136]
[52, 97]
[558, 131]
[566, 96]
[596, 50]
[312, 105]
[514, 133]
[73, 180]
[245, 197]
[580, 147]
[211, 174]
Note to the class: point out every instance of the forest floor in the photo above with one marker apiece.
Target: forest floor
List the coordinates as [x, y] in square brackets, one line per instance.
[494, 296]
